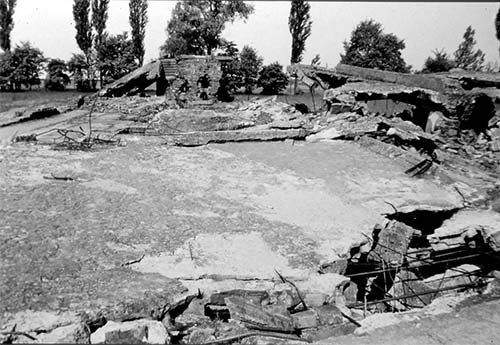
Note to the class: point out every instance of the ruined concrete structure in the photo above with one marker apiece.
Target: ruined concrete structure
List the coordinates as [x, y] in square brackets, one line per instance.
[168, 74]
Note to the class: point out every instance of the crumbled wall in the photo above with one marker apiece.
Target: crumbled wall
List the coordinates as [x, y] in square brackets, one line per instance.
[192, 68]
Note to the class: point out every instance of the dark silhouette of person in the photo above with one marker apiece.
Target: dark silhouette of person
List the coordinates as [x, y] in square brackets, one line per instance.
[223, 91]
[204, 85]
[181, 95]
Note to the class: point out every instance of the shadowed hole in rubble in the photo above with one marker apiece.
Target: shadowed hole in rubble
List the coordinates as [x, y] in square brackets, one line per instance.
[375, 279]
[427, 221]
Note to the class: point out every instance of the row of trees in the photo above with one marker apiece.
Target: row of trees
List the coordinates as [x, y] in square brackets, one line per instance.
[247, 71]
[104, 56]
[196, 28]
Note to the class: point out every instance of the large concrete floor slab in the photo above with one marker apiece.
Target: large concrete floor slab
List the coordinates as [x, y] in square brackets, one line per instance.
[234, 210]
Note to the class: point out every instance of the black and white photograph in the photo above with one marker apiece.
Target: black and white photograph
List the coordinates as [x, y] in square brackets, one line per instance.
[230, 172]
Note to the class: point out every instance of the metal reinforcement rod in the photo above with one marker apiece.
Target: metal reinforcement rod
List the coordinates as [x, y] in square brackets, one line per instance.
[423, 264]
[428, 292]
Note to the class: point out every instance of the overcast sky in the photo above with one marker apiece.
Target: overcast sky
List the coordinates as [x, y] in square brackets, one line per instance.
[49, 25]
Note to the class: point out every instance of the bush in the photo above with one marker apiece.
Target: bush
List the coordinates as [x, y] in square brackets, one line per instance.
[57, 79]
[272, 79]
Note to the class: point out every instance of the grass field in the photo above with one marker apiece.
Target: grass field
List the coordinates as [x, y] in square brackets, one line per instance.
[36, 98]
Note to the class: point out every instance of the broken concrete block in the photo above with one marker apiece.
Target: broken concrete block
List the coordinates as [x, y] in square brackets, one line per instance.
[71, 334]
[315, 299]
[283, 294]
[305, 319]
[461, 275]
[325, 332]
[131, 332]
[186, 320]
[253, 296]
[255, 316]
[391, 243]
[407, 283]
[329, 315]
[200, 335]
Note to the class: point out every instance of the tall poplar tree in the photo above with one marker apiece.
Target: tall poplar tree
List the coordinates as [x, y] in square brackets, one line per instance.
[83, 26]
[6, 22]
[99, 19]
[138, 19]
[299, 24]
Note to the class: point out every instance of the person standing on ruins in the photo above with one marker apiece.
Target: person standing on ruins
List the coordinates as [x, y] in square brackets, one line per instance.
[204, 85]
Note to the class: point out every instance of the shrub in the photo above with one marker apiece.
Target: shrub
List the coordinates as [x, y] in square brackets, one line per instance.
[272, 79]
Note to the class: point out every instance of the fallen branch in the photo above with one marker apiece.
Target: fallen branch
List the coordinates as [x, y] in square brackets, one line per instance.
[255, 334]
[131, 262]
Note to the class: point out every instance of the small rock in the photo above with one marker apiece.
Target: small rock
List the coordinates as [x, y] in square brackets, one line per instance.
[329, 315]
[200, 336]
[189, 320]
[138, 331]
[305, 319]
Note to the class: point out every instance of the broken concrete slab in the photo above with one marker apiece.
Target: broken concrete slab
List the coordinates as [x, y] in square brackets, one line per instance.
[255, 316]
[254, 296]
[391, 243]
[18, 115]
[133, 82]
[204, 138]
[131, 332]
[305, 319]
[406, 283]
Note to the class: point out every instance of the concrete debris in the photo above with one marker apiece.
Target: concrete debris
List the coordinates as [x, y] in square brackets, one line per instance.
[71, 334]
[134, 82]
[204, 138]
[18, 115]
[255, 316]
[253, 296]
[305, 319]
[131, 332]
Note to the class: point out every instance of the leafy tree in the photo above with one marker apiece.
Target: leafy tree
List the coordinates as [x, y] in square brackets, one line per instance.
[196, 26]
[465, 56]
[118, 57]
[299, 24]
[439, 63]
[272, 79]
[229, 49]
[250, 65]
[6, 70]
[26, 62]
[6, 22]
[81, 15]
[76, 66]
[138, 19]
[370, 47]
[57, 78]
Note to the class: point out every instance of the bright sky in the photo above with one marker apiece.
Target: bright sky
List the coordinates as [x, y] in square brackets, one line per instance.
[48, 24]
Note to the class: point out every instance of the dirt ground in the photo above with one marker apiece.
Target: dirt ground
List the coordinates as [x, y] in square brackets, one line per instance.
[130, 227]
